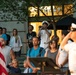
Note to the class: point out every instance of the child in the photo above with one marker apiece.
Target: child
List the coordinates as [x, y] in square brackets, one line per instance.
[13, 67]
[25, 64]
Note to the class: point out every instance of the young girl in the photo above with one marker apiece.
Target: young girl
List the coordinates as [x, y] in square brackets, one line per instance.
[25, 64]
[13, 67]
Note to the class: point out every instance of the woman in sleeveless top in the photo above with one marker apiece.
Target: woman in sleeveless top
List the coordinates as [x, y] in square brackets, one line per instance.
[52, 52]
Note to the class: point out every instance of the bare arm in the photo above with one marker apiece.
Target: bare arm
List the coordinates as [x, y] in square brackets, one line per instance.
[33, 68]
[12, 54]
[65, 40]
[29, 64]
[57, 58]
[39, 34]
[49, 34]
[46, 54]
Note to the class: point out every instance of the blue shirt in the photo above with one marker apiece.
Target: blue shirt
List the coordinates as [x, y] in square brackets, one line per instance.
[4, 36]
[34, 53]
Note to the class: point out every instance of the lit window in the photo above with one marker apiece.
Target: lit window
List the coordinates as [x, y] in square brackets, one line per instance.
[57, 10]
[68, 9]
[46, 10]
[33, 11]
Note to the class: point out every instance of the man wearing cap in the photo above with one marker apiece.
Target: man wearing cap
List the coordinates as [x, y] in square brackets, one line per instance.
[71, 48]
[44, 35]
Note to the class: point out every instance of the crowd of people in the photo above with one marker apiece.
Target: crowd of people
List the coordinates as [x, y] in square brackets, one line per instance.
[39, 46]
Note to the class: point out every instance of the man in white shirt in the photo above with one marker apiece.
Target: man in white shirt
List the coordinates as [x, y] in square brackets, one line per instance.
[44, 35]
[71, 48]
[62, 56]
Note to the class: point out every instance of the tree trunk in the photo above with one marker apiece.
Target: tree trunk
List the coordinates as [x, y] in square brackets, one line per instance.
[53, 23]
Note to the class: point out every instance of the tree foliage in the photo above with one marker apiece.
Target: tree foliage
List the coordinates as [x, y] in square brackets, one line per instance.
[18, 9]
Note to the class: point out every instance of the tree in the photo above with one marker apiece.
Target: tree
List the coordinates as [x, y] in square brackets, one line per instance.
[18, 9]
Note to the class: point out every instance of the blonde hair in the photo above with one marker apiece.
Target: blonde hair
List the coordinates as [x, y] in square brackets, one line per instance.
[15, 60]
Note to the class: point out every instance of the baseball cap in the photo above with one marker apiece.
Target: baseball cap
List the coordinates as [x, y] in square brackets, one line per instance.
[73, 27]
[45, 22]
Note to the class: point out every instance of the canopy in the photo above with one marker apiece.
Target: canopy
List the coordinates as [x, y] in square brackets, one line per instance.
[64, 23]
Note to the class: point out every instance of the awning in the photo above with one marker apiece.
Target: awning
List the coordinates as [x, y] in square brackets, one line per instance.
[64, 23]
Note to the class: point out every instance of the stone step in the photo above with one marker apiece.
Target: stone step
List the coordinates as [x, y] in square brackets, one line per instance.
[22, 69]
[21, 60]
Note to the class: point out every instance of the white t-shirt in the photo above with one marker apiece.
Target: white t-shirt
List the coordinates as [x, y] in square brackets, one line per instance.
[6, 52]
[26, 70]
[62, 57]
[15, 45]
[44, 38]
[71, 48]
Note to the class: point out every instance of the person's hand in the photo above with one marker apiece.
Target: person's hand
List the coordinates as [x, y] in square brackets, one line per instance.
[60, 65]
[10, 64]
[42, 28]
[34, 70]
[71, 72]
[57, 64]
